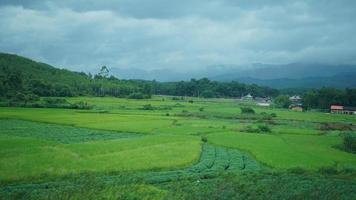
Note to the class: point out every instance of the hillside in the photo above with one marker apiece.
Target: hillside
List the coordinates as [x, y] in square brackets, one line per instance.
[25, 75]
[19, 74]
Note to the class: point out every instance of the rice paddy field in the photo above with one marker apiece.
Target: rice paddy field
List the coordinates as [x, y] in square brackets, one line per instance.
[174, 148]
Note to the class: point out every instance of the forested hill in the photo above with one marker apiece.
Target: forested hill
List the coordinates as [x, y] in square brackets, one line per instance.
[19, 74]
[21, 77]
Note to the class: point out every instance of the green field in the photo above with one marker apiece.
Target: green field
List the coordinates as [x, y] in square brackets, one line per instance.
[165, 142]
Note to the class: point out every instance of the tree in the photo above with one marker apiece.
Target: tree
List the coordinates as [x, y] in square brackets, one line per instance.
[104, 72]
[282, 101]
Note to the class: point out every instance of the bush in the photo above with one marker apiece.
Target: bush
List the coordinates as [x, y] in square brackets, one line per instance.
[138, 95]
[247, 110]
[81, 105]
[19, 97]
[204, 139]
[55, 101]
[264, 128]
[282, 101]
[350, 142]
[273, 115]
[250, 129]
[148, 107]
[201, 109]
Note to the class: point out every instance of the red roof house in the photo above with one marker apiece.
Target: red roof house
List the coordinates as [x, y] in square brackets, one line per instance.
[336, 108]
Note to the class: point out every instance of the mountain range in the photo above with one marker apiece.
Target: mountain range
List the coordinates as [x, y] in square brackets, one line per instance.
[294, 75]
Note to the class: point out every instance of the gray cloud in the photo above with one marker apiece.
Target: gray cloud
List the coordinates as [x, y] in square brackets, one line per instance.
[180, 35]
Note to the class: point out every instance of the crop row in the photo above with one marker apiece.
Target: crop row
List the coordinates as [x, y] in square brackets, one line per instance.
[57, 133]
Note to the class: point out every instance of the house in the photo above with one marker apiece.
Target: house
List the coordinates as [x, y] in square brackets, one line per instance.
[343, 110]
[248, 97]
[296, 107]
[295, 99]
[264, 104]
[336, 109]
[262, 101]
[350, 110]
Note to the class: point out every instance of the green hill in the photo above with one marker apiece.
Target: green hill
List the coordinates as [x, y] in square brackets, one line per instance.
[19, 74]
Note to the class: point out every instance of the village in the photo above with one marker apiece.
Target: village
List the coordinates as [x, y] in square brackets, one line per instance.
[296, 104]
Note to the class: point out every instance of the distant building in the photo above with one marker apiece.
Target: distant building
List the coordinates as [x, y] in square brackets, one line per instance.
[264, 104]
[296, 107]
[262, 101]
[248, 97]
[338, 109]
[295, 98]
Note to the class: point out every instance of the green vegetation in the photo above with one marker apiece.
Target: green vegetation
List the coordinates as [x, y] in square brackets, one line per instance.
[57, 142]
[23, 158]
[323, 98]
[23, 80]
[350, 142]
[247, 110]
[289, 151]
[188, 153]
[282, 101]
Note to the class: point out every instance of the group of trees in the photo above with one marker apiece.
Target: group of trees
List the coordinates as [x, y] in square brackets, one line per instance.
[207, 89]
[22, 78]
[323, 98]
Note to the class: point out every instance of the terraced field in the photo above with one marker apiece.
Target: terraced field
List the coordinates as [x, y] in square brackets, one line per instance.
[119, 144]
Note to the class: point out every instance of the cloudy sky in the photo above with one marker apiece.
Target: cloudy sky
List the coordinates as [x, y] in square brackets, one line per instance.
[182, 35]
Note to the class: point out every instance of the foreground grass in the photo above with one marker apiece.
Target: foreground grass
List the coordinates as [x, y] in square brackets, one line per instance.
[25, 157]
[261, 185]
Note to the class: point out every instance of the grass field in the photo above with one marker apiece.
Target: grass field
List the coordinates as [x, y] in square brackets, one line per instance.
[165, 141]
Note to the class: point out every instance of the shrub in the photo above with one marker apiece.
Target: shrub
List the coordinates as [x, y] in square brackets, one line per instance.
[250, 129]
[191, 101]
[204, 139]
[201, 109]
[81, 105]
[264, 128]
[19, 97]
[247, 110]
[138, 95]
[175, 98]
[148, 107]
[273, 115]
[55, 101]
[350, 142]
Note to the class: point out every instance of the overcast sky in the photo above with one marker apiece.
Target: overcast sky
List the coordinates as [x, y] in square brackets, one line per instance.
[184, 34]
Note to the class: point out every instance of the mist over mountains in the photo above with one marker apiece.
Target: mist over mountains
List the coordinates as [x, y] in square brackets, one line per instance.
[278, 76]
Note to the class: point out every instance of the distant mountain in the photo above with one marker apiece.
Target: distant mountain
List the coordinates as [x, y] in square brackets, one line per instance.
[288, 71]
[294, 75]
[254, 73]
[338, 81]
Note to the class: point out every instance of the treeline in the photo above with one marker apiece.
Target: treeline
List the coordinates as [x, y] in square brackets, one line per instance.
[323, 98]
[24, 79]
[207, 89]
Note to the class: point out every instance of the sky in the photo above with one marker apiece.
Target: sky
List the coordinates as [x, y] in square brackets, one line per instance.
[181, 35]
